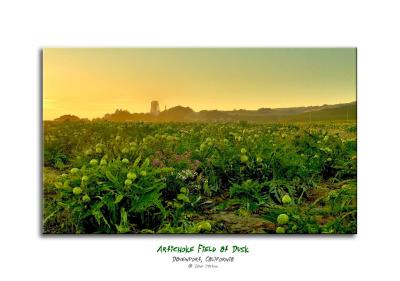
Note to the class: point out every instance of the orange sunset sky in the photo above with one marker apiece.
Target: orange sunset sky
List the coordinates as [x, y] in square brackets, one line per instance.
[89, 82]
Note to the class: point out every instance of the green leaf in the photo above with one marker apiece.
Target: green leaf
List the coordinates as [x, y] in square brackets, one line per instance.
[112, 178]
[149, 198]
[146, 163]
[118, 198]
[123, 227]
[183, 197]
[136, 163]
[49, 216]
[124, 217]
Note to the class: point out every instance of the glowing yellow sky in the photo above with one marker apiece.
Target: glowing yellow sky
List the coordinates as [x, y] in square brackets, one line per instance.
[89, 82]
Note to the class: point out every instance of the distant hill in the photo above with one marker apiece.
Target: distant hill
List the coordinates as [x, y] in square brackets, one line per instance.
[67, 118]
[125, 115]
[177, 113]
[343, 111]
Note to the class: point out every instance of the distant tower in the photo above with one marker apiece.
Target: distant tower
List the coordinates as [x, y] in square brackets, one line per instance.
[155, 108]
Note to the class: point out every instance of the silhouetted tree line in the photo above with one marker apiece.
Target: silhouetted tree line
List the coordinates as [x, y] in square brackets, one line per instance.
[186, 114]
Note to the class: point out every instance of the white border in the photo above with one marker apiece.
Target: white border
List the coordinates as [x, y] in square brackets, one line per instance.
[27, 26]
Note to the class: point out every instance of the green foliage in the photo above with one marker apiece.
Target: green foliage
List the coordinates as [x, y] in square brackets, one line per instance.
[134, 177]
[249, 193]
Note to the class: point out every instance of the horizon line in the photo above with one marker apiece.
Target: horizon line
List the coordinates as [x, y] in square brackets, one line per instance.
[299, 106]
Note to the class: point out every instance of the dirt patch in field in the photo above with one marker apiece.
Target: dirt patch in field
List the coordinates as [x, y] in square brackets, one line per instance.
[238, 224]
